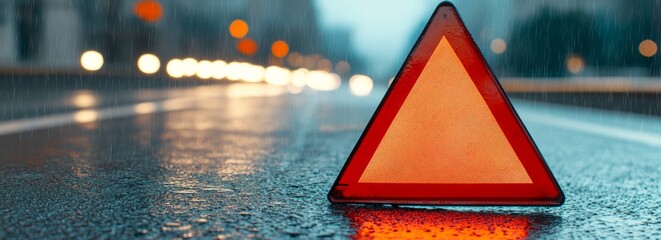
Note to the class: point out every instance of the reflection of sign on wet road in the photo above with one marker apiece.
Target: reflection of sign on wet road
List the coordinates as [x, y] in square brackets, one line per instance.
[401, 223]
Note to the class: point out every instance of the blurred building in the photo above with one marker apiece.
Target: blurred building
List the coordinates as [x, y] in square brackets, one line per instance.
[52, 34]
[36, 33]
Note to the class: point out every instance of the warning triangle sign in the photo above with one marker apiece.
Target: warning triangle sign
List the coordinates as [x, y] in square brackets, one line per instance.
[445, 133]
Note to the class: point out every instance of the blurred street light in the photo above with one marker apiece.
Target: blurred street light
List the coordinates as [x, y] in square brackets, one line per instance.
[298, 77]
[277, 76]
[247, 47]
[252, 73]
[342, 67]
[149, 63]
[91, 60]
[647, 48]
[575, 64]
[239, 28]
[325, 65]
[323, 81]
[295, 59]
[280, 49]
[219, 69]
[498, 46]
[234, 70]
[175, 68]
[361, 85]
[189, 66]
[148, 10]
[204, 69]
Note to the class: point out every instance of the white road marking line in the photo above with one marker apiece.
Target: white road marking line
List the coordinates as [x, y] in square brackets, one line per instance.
[593, 128]
[92, 115]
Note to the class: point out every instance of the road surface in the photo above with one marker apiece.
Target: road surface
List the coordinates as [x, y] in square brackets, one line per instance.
[252, 160]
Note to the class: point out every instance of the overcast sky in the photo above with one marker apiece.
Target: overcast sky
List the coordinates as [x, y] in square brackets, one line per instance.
[381, 29]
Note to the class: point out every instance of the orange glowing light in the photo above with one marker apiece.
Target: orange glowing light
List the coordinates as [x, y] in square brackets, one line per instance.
[429, 224]
[342, 67]
[247, 47]
[295, 59]
[280, 49]
[575, 64]
[239, 28]
[325, 65]
[498, 46]
[647, 48]
[148, 10]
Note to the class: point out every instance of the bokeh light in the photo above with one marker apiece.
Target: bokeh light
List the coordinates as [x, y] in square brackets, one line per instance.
[252, 90]
[280, 49]
[575, 64]
[204, 70]
[498, 46]
[322, 81]
[647, 48]
[298, 77]
[277, 76]
[149, 63]
[311, 61]
[189, 66]
[247, 47]
[252, 73]
[91, 60]
[360, 85]
[234, 70]
[85, 116]
[342, 67]
[148, 10]
[83, 99]
[294, 89]
[175, 68]
[218, 69]
[239, 28]
[324, 65]
[295, 59]
[144, 108]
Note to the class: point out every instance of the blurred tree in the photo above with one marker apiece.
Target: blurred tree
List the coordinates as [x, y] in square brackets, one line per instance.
[29, 30]
[541, 46]
[607, 41]
[120, 35]
[100, 20]
[338, 47]
[3, 13]
[636, 23]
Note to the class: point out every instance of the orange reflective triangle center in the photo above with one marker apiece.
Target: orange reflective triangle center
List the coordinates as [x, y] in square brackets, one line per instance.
[444, 124]
[445, 133]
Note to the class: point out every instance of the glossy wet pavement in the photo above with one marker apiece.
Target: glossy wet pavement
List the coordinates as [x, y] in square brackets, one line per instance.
[260, 165]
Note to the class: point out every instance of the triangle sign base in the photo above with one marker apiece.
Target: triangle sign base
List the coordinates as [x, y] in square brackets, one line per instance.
[446, 134]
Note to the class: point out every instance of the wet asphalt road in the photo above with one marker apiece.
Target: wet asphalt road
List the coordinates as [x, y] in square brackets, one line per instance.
[260, 165]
